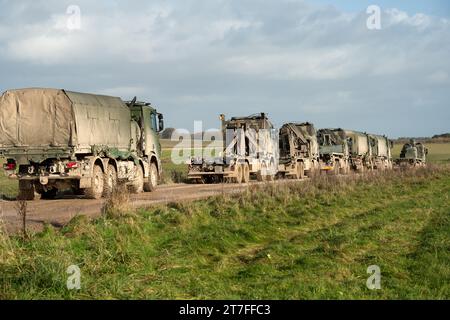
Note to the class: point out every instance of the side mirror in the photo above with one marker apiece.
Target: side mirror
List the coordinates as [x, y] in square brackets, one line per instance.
[161, 122]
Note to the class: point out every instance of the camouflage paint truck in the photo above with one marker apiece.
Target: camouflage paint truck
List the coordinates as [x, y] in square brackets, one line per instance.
[250, 149]
[334, 153]
[413, 154]
[57, 140]
[299, 150]
[381, 148]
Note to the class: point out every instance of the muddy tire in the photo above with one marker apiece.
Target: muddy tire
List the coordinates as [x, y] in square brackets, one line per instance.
[270, 177]
[151, 182]
[314, 169]
[337, 169]
[347, 169]
[300, 174]
[138, 184]
[239, 174]
[26, 191]
[96, 190]
[110, 180]
[246, 173]
[261, 174]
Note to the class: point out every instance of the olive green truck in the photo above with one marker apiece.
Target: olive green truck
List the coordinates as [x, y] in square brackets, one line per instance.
[56, 140]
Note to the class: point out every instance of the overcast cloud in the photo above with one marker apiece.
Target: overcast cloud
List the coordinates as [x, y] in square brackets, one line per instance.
[295, 60]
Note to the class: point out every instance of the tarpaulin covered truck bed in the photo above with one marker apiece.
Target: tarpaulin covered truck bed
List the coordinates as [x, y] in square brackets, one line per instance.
[52, 118]
[359, 143]
[381, 147]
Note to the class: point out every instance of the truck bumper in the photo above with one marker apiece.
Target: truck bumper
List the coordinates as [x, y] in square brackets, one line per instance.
[49, 177]
[44, 179]
[199, 175]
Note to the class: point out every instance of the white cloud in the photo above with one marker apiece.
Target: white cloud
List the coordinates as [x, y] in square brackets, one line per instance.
[284, 57]
[438, 77]
[314, 64]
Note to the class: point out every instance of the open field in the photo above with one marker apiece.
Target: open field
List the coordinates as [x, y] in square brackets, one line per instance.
[8, 188]
[437, 152]
[292, 241]
[167, 144]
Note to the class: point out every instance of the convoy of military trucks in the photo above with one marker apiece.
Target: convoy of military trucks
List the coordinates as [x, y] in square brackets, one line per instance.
[55, 140]
[300, 149]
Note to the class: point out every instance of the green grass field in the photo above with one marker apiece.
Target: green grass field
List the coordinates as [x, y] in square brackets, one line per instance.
[437, 152]
[311, 240]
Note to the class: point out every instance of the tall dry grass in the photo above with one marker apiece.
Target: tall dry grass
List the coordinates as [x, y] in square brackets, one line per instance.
[118, 203]
[322, 185]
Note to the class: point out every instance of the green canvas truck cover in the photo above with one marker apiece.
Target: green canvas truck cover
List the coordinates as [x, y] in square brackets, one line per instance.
[305, 132]
[359, 142]
[46, 118]
[381, 146]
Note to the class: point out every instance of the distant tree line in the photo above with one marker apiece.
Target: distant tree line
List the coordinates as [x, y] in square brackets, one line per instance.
[445, 135]
[438, 138]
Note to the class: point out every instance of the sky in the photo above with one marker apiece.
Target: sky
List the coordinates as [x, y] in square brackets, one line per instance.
[296, 60]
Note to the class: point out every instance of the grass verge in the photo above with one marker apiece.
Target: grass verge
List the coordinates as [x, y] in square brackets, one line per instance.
[311, 240]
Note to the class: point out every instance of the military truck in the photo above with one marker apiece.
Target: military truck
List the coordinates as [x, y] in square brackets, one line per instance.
[413, 154]
[334, 154]
[299, 150]
[250, 150]
[360, 151]
[381, 151]
[55, 139]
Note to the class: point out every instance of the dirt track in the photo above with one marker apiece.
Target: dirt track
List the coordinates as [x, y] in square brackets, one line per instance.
[61, 211]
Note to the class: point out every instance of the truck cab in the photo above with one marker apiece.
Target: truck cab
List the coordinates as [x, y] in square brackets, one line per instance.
[150, 124]
[334, 150]
[413, 153]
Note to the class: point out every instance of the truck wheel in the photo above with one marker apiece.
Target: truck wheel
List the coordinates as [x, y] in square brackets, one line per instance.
[26, 191]
[261, 174]
[312, 171]
[138, 183]
[300, 171]
[336, 168]
[152, 180]
[239, 174]
[270, 177]
[96, 190]
[246, 172]
[110, 180]
[347, 168]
